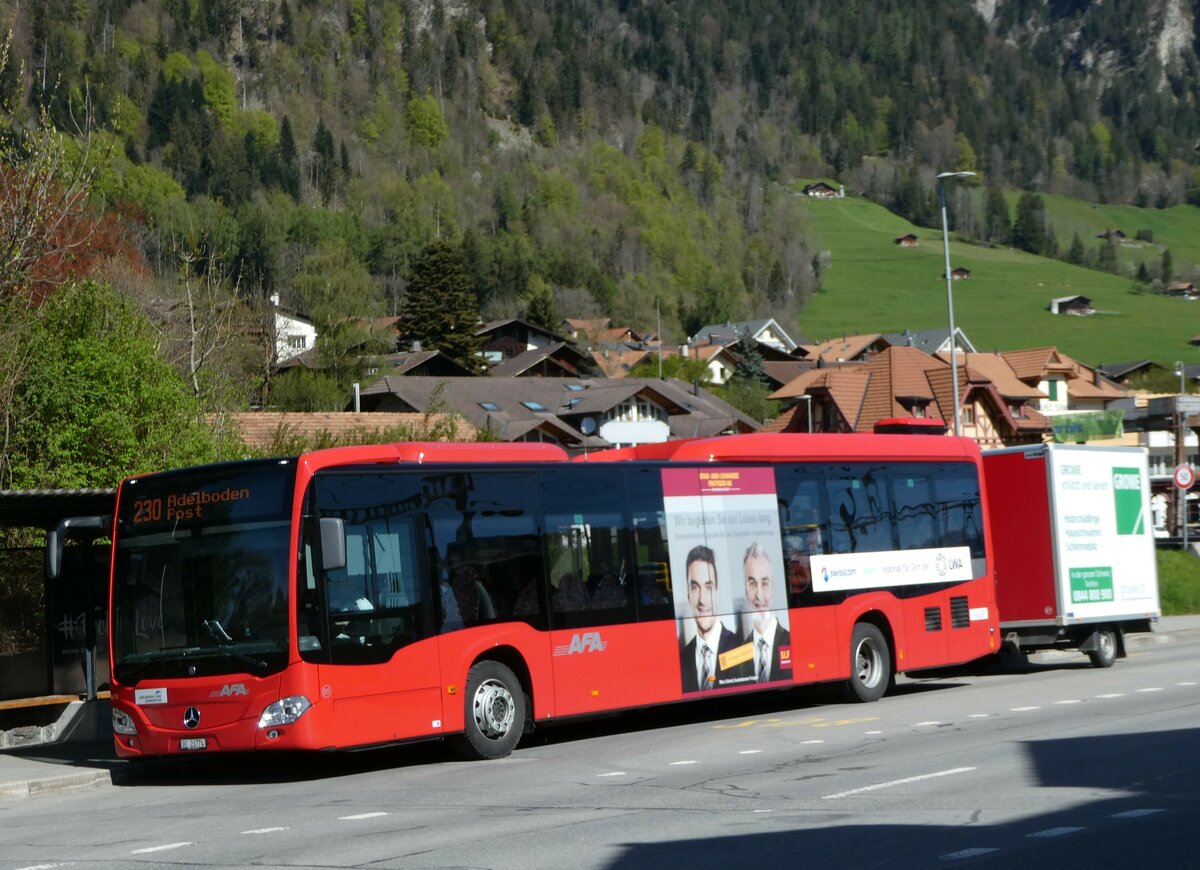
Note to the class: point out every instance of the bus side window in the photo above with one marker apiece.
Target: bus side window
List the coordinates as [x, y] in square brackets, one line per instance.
[804, 526]
[860, 507]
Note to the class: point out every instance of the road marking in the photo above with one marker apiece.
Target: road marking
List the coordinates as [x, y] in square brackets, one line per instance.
[1135, 814]
[1054, 832]
[1069, 701]
[40, 867]
[905, 781]
[150, 849]
[857, 721]
[1112, 695]
[1189, 683]
[1022, 709]
[930, 722]
[686, 761]
[360, 816]
[979, 715]
[749, 752]
[614, 773]
[810, 742]
[969, 853]
[872, 732]
[1151, 689]
[265, 830]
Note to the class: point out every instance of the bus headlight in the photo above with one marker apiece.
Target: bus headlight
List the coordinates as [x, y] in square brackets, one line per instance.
[284, 711]
[122, 722]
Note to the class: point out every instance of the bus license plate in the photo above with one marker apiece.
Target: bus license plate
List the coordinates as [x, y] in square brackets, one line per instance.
[191, 744]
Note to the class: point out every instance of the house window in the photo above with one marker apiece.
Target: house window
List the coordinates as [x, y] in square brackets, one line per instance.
[968, 413]
[1052, 389]
[918, 411]
[1018, 411]
[534, 406]
[489, 406]
[297, 342]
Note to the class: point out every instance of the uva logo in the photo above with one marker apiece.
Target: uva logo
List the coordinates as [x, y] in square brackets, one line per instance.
[582, 642]
[229, 691]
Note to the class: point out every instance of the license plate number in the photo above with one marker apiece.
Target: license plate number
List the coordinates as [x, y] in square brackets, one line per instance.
[191, 744]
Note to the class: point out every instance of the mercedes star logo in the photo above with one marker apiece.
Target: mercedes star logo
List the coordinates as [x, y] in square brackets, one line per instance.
[191, 717]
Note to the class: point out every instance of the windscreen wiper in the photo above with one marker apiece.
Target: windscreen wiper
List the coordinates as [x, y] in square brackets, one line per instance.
[221, 636]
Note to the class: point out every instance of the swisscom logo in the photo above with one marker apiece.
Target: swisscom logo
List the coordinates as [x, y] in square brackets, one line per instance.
[1127, 496]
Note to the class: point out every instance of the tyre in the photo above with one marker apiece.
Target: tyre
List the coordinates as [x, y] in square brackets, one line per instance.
[870, 663]
[1105, 652]
[495, 712]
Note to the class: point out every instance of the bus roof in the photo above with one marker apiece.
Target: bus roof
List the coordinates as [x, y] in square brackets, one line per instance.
[420, 452]
[786, 447]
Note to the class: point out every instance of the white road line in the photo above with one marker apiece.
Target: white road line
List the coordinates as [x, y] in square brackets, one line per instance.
[1136, 814]
[614, 773]
[150, 849]
[1054, 832]
[687, 761]
[979, 715]
[265, 830]
[922, 724]
[1151, 689]
[360, 816]
[1022, 709]
[749, 752]
[1112, 695]
[905, 781]
[40, 867]
[1069, 701]
[1189, 683]
[969, 853]
[872, 732]
[810, 742]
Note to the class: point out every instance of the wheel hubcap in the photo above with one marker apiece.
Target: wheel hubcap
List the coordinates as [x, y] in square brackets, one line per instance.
[494, 709]
[868, 664]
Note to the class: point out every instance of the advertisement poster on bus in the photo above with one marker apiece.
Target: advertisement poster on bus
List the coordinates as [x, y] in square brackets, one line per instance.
[731, 609]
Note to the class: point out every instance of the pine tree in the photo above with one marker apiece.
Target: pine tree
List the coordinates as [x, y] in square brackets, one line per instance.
[289, 166]
[439, 308]
[1168, 266]
[323, 162]
[1029, 230]
[749, 361]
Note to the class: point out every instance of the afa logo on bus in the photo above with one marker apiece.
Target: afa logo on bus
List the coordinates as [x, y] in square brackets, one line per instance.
[582, 642]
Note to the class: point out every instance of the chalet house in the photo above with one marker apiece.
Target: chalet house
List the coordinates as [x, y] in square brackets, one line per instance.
[1183, 290]
[505, 339]
[294, 333]
[930, 340]
[619, 362]
[1115, 234]
[821, 190]
[1120, 373]
[557, 360]
[1068, 385]
[908, 240]
[848, 348]
[1080, 306]
[903, 382]
[720, 358]
[598, 332]
[767, 332]
[424, 364]
[578, 414]
[958, 273]
[265, 430]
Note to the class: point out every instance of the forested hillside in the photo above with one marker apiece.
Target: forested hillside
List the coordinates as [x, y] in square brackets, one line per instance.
[583, 156]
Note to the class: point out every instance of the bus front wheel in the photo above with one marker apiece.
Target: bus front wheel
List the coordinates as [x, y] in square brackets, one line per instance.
[495, 712]
[870, 663]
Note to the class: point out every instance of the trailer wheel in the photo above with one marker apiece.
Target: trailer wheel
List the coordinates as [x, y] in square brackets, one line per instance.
[495, 712]
[1105, 652]
[870, 663]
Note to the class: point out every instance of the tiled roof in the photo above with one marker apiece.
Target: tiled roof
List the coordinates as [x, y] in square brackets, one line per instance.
[260, 429]
[846, 348]
[560, 354]
[996, 369]
[618, 363]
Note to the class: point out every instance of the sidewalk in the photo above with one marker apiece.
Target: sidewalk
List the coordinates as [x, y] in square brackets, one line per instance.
[86, 757]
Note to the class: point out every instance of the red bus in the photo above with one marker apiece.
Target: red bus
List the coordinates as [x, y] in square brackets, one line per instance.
[371, 595]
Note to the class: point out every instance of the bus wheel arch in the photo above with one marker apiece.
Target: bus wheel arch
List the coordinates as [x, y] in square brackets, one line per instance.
[498, 705]
[871, 658]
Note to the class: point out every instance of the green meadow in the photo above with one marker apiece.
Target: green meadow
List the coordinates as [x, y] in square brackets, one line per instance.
[870, 284]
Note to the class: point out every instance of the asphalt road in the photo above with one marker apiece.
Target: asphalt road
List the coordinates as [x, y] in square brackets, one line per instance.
[1052, 765]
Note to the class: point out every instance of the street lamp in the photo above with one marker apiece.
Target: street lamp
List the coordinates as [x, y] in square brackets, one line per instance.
[1181, 450]
[949, 291]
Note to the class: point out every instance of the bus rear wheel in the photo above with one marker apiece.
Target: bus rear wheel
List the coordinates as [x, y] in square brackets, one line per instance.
[870, 663]
[495, 712]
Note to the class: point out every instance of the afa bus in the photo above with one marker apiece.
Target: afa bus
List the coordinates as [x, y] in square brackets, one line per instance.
[370, 595]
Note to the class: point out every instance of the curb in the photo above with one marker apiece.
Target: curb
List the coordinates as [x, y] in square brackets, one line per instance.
[53, 785]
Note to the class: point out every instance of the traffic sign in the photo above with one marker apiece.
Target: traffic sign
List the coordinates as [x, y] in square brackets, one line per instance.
[1184, 476]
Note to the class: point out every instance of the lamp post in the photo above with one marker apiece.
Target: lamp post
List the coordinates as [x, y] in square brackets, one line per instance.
[949, 291]
[1181, 451]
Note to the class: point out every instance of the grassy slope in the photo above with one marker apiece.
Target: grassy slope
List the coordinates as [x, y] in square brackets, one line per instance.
[872, 285]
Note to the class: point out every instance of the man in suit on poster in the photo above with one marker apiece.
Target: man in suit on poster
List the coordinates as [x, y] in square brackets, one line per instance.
[701, 656]
[770, 641]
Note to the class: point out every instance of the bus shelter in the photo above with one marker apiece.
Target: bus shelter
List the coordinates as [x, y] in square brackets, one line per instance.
[53, 636]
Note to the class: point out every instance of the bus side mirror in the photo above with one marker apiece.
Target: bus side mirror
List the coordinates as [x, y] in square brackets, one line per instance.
[333, 543]
[56, 537]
